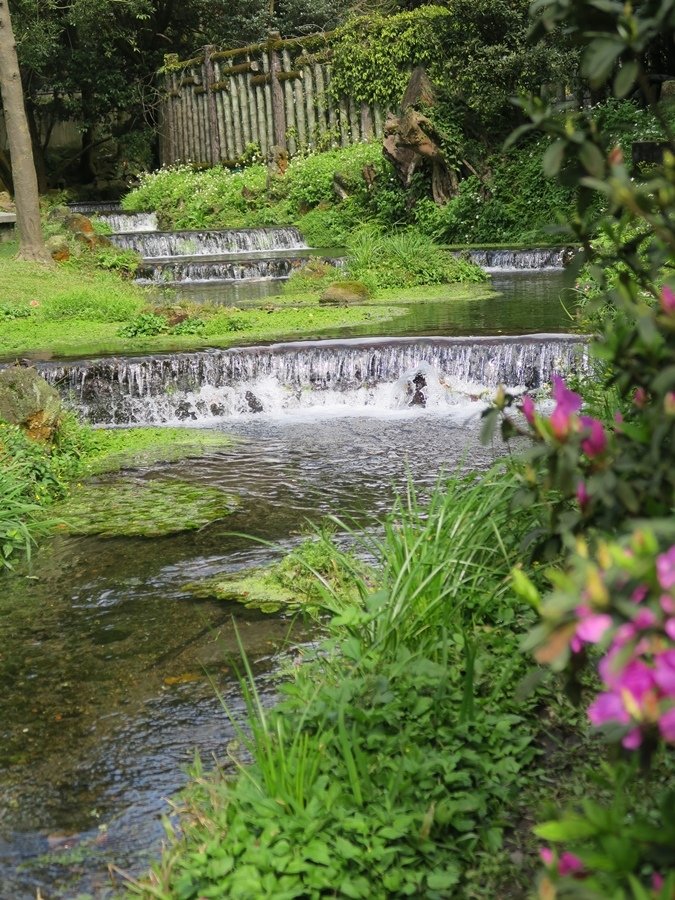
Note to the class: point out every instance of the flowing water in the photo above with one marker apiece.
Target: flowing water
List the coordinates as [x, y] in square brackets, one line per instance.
[105, 655]
[108, 663]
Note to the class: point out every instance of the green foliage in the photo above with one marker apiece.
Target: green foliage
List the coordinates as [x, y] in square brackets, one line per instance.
[388, 767]
[614, 840]
[404, 259]
[32, 476]
[373, 54]
[146, 324]
[82, 304]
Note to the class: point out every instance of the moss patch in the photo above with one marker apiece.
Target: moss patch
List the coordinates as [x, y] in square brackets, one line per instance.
[138, 508]
[254, 589]
[314, 569]
[112, 449]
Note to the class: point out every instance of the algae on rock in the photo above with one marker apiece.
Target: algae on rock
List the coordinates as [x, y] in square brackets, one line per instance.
[136, 507]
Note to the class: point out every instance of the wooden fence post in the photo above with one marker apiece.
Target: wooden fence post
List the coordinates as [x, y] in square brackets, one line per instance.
[278, 109]
[209, 80]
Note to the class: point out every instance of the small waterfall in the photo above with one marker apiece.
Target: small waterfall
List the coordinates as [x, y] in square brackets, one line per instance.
[382, 374]
[95, 207]
[120, 222]
[161, 244]
[519, 260]
[235, 268]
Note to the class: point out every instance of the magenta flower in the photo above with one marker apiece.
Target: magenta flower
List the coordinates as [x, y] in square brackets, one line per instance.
[640, 397]
[639, 593]
[607, 707]
[668, 300]
[528, 408]
[592, 626]
[568, 864]
[657, 881]
[665, 569]
[664, 672]
[596, 442]
[667, 604]
[567, 404]
[582, 495]
[667, 726]
[632, 740]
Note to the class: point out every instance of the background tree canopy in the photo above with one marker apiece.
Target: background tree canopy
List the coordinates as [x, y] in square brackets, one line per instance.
[94, 62]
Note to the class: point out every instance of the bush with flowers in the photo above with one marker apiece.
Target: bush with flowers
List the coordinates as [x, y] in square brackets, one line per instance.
[605, 473]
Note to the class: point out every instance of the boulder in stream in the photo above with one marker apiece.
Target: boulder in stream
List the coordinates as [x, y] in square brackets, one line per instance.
[28, 401]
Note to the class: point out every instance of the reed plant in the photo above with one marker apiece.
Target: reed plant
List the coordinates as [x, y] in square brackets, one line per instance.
[443, 565]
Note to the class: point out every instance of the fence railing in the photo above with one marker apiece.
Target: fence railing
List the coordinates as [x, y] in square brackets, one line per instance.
[273, 94]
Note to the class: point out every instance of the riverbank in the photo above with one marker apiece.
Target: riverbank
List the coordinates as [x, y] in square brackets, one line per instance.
[84, 313]
[41, 485]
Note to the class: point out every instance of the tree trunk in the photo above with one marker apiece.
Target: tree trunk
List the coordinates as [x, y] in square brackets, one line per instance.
[38, 152]
[26, 197]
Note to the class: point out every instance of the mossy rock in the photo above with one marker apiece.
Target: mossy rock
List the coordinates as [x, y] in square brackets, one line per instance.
[253, 588]
[345, 292]
[139, 508]
[58, 247]
[28, 401]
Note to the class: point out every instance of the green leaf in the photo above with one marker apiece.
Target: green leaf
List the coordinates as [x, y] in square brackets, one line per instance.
[572, 828]
[592, 159]
[625, 78]
[553, 158]
[441, 881]
[600, 58]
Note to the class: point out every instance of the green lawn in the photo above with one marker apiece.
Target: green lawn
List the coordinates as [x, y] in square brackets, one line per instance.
[74, 310]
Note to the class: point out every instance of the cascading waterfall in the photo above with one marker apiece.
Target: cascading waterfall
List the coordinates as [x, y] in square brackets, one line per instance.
[519, 260]
[95, 207]
[120, 222]
[237, 267]
[162, 244]
[382, 374]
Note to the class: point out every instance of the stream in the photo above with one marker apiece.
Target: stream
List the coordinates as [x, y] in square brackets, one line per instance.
[109, 666]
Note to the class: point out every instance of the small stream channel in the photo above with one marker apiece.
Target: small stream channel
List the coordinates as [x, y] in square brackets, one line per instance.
[108, 664]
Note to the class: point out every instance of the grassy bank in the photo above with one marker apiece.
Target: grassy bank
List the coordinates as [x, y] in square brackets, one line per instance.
[398, 759]
[75, 312]
[36, 480]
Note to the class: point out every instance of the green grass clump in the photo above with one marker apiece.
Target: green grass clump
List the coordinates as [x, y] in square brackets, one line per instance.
[136, 507]
[397, 755]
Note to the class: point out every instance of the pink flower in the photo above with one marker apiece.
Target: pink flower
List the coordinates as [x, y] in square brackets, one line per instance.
[639, 593]
[592, 627]
[640, 397]
[665, 569]
[664, 672]
[582, 495]
[657, 881]
[567, 404]
[667, 604]
[568, 864]
[528, 408]
[667, 726]
[669, 628]
[596, 442]
[668, 300]
[607, 707]
[632, 740]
